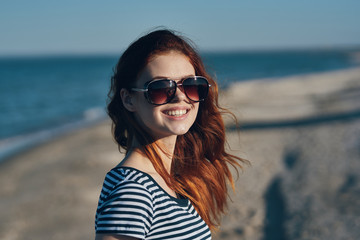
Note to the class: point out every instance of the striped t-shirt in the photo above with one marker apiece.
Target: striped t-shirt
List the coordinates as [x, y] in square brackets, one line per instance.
[131, 203]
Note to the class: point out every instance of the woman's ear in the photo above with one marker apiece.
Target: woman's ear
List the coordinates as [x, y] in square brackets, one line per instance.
[127, 100]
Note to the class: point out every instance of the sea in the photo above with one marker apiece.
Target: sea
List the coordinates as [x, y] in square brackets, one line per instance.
[42, 97]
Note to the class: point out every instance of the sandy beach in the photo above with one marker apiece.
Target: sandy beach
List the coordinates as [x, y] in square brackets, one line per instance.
[301, 135]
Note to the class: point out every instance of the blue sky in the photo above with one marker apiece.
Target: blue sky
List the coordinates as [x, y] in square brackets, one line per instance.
[91, 26]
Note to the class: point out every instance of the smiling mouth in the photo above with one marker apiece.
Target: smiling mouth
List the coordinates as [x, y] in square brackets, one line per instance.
[176, 113]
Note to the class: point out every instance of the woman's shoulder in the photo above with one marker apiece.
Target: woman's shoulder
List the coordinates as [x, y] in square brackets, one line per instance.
[123, 183]
[127, 177]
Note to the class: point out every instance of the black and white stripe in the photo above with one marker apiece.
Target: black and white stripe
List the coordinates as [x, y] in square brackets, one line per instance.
[131, 203]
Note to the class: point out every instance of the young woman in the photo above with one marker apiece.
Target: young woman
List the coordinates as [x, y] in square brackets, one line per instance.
[172, 183]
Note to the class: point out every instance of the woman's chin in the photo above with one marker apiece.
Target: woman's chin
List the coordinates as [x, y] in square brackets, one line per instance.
[180, 130]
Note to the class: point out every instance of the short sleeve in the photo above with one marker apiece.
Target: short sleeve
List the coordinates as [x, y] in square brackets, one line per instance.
[127, 210]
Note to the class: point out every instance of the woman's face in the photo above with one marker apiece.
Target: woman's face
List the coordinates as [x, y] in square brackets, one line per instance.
[175, 117]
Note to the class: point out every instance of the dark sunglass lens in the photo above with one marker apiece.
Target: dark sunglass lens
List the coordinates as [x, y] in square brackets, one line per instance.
[161, 92]
[196, 89]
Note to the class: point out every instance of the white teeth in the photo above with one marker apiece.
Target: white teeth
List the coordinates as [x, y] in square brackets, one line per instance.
[176, 113]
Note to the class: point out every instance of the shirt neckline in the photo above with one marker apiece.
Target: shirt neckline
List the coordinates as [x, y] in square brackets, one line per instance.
[181, 201]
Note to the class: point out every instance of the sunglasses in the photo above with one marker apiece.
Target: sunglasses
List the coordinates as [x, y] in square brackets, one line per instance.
[162, 91]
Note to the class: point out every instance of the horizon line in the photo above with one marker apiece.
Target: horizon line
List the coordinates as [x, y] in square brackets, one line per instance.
[117, 52]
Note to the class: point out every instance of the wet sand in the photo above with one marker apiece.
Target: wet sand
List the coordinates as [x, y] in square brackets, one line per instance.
[301, 135]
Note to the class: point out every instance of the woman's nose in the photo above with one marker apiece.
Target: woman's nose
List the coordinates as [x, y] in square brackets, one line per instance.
[180, 94]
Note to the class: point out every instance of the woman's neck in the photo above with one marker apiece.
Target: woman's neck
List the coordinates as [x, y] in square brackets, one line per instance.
[166, 147]
[137, 158]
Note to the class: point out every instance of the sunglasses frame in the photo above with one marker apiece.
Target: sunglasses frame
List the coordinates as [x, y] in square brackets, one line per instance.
[180, 83]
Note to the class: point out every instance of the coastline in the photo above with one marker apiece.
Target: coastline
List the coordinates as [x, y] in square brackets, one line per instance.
[51, 190]
[15, 145]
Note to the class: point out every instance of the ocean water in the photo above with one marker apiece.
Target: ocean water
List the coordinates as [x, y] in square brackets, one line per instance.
[239, 66]
[42, 97]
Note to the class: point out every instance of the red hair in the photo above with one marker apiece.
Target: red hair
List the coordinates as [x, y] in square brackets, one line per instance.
[199, 168]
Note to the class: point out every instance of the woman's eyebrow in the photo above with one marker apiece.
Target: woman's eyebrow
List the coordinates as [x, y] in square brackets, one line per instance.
[164, 77]
[159, 77]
